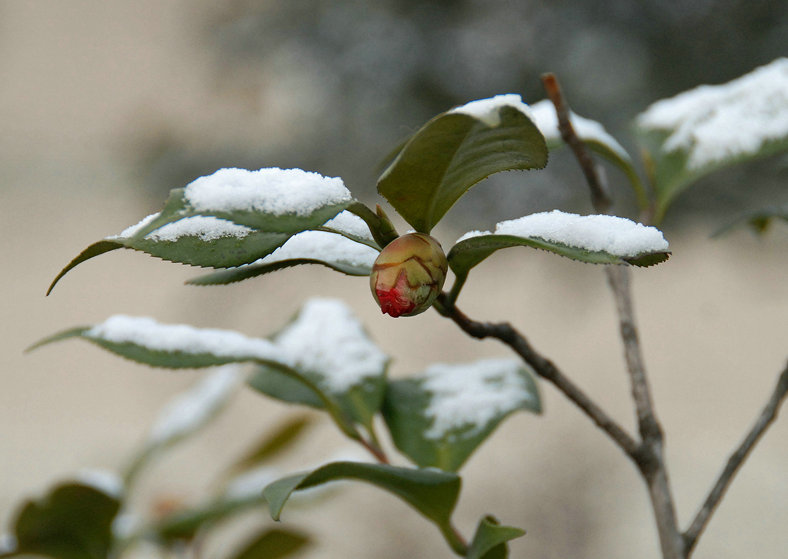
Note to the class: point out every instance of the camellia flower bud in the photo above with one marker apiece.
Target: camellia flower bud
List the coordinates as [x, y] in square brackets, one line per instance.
[408, 275]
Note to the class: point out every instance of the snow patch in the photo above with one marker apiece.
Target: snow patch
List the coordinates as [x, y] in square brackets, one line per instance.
[207, 228]
[715, 123]
[470, 396]
[271, 190]
[148, 333]
[605, 233]
[326, 339]
[486, 110]
[323, 246]
[192, 409]
[131, 231]
[350, 224]
[588, 130]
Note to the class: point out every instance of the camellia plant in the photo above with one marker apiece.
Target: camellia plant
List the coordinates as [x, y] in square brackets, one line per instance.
[245, 224]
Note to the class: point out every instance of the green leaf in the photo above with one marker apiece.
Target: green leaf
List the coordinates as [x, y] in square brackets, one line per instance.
[73, 521]
[230, 218]
[454, 151]
[490, 539]
[710, 127]
[272, 543]
[431, 492]
[336, 355]
[440, 417]
[594, 135]
[180, 346]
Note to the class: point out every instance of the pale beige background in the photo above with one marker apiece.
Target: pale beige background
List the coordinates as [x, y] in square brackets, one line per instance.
[714, 324]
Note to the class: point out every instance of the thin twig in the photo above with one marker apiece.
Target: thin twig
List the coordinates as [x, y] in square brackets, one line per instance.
[650, 459]
[543, 367]
[767, 417]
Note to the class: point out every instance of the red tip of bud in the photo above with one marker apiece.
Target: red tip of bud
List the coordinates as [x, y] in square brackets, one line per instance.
[395, 301]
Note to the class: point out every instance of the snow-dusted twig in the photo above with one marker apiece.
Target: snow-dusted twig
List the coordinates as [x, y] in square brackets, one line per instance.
[767, 417]
[545, 368]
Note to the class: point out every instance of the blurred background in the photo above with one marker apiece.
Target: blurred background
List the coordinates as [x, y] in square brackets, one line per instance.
[105, 106]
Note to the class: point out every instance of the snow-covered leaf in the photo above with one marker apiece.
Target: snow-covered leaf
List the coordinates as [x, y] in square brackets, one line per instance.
[595, 239]
[330, 348]
[594, 135]
[431, 492]
[439, 417]
[329, 249]
[709, 127]
[457, 149]
[181, 346]
[230, 218]
[72, 521]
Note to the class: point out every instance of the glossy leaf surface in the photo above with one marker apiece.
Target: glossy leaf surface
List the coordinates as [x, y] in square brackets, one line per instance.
[453, 152]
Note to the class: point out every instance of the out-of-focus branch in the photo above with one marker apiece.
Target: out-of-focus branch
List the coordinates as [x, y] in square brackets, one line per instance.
[767, 417]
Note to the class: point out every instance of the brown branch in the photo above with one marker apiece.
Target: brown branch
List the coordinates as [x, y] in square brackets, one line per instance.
[543, 367]
[735, 462]
[650, 459]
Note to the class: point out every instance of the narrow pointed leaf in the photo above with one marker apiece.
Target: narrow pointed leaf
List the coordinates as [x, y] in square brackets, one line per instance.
[73, 521]
[594, 135]
[440, 417]
[433, 493]
[594, 239]
[491, 538]
[456, 150]
[95, 249]
[336, 354]
[707, 128]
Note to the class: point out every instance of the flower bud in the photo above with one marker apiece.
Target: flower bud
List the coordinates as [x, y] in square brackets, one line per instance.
[408, 275]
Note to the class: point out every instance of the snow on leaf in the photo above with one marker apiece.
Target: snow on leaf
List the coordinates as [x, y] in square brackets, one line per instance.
[599, 233]
[207, 228]
[152, 335]
[472, 395]
[133, 229]
[716, 123]
[486, 110]
[588, 130]
[190, 410]
[351, 225]
[322, 246]
[326, 339]
[271, 190]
